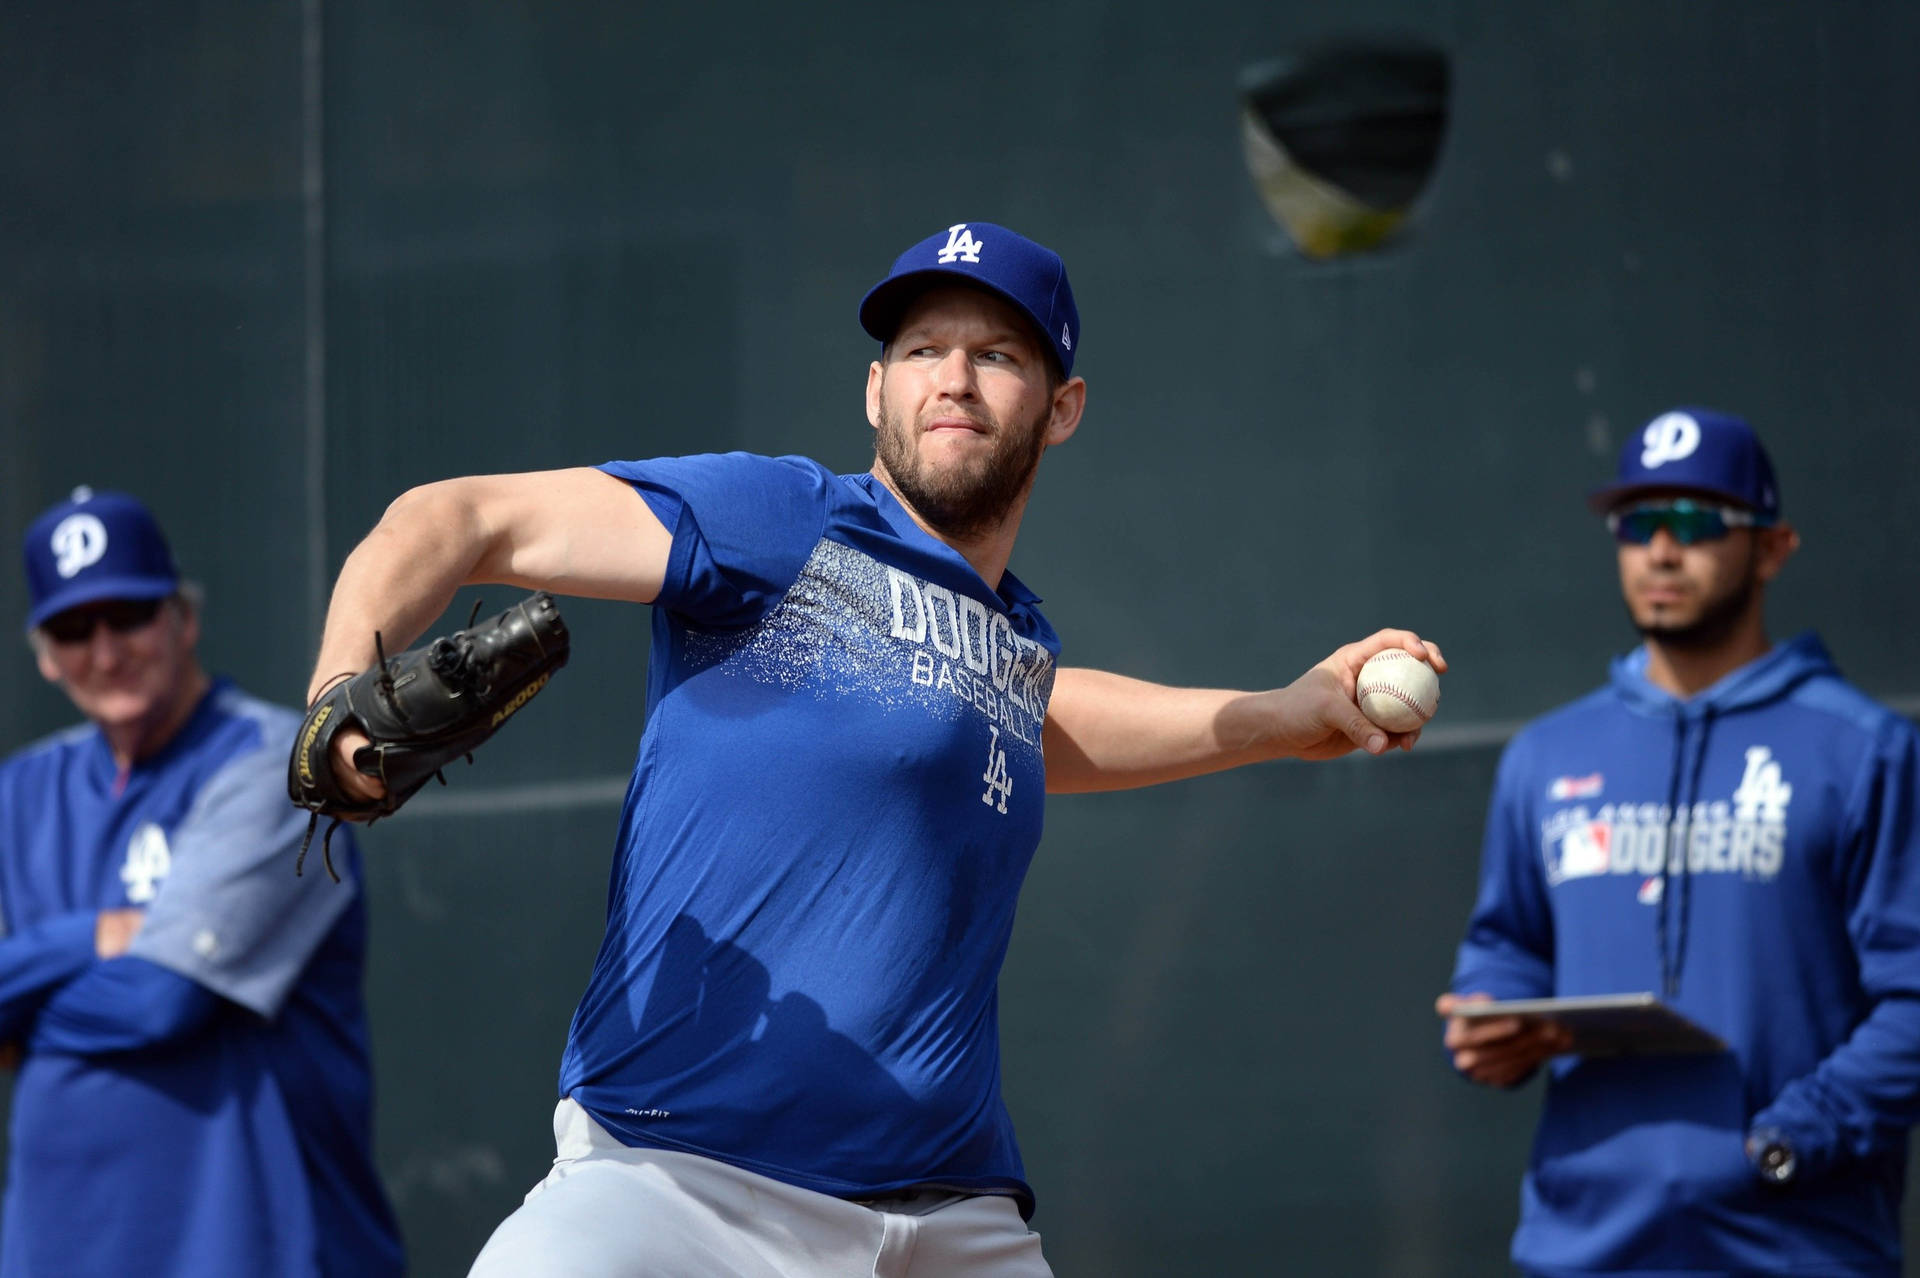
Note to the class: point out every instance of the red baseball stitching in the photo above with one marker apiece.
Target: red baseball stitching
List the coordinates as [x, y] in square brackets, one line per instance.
[1399, 696]
[1396, 693]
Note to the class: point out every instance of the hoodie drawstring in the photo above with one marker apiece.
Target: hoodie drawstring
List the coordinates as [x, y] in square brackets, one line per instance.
[1669, 976]
[1683, 795]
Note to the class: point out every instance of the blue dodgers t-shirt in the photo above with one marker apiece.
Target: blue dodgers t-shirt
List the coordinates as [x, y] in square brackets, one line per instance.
[837, 796]
[237, 1143]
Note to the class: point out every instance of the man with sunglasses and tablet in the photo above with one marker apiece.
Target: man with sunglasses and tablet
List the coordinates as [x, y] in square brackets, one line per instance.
[193, 1094]
[1730, 825]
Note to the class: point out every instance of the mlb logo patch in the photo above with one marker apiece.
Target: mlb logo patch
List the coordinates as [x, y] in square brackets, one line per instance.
[1586, 850]
[1587, 787]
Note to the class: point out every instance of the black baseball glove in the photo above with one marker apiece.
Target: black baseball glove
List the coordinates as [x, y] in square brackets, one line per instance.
[422, 710]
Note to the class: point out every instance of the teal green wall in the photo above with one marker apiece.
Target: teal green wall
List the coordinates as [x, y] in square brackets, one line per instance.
[505, 236]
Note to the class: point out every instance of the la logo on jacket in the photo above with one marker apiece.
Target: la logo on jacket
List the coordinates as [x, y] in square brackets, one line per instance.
[148, 861]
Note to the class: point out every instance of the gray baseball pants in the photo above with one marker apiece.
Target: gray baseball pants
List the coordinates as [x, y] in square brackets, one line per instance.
[607, 1210]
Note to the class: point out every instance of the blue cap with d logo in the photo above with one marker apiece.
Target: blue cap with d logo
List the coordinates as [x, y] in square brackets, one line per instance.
[1694, 450]
[1030, 276]
[96, 546]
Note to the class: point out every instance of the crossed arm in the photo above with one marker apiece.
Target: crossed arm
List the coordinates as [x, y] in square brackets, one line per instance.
[69, 986]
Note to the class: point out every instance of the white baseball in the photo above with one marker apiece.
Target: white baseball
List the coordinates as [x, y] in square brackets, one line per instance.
[1397, 690]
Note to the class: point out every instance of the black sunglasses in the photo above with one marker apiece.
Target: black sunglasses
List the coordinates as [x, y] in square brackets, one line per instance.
[122, 616]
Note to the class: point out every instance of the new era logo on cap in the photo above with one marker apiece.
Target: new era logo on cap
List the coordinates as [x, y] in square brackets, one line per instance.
[1694, 450]
[1027, 274]
[95, 546]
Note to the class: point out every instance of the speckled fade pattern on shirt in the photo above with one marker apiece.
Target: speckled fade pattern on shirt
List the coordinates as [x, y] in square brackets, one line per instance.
[852, 626]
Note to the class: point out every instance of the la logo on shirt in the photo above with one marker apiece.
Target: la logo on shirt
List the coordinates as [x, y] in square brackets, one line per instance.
[148, 861]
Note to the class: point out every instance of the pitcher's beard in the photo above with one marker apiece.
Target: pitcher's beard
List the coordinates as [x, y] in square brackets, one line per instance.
[969, 497]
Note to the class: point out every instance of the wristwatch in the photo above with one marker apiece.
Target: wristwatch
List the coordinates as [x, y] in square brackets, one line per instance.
[1772, 1156]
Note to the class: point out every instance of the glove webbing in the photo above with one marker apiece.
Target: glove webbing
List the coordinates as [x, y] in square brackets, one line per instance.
[326, 846]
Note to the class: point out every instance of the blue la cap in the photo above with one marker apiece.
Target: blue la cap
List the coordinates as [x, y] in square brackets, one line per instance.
[1699, 450]
[1030, 276]
[96, 546]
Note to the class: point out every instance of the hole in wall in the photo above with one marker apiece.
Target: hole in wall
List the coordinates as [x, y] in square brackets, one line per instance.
[1342, 138]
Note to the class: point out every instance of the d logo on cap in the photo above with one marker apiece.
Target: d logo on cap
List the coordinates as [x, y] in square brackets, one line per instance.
[95, 546]
[1669, 437]
[78, 540]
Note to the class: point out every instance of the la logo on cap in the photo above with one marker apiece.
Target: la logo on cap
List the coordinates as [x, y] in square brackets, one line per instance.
[960, 246]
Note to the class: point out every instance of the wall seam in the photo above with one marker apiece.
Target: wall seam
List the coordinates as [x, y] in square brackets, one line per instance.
[607, 791]
[313, 193]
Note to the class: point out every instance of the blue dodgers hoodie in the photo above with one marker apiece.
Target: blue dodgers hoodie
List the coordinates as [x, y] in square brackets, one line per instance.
[1750, 853]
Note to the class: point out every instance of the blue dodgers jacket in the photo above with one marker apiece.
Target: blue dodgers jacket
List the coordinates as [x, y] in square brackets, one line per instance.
[1751, 853]
[200, 1106]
